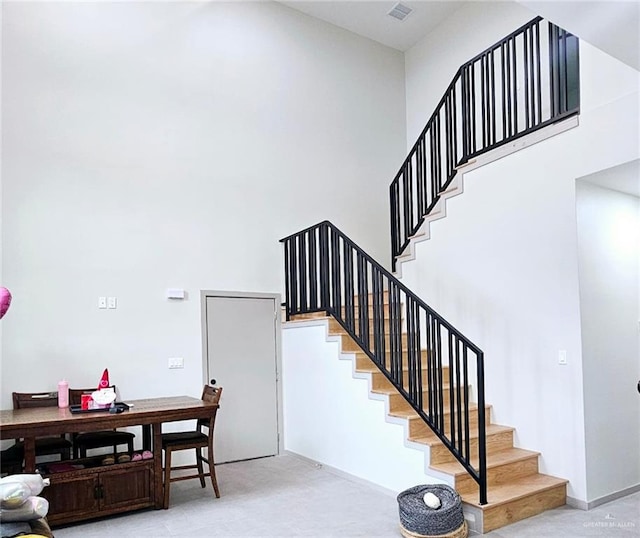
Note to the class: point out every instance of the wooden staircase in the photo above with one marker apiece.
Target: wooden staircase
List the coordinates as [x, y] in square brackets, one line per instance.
[516, 489]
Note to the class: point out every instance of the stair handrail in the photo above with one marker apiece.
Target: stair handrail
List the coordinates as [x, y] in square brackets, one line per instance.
[465, 125]
[325, 271]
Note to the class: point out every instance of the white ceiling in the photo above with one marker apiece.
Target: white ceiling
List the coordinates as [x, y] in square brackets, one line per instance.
[612, 26]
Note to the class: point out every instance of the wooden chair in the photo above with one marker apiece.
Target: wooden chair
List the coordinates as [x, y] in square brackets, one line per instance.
[196, 439]
[45, 446]
[90, 440]
[11, 459]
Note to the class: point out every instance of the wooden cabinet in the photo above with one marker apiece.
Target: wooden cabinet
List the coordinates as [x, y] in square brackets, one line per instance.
[97, 491]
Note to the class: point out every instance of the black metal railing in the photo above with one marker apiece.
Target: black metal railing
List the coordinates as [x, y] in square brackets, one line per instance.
[429, 362]
[527, 81]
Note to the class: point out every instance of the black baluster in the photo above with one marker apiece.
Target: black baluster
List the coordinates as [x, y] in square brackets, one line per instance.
[302, 267]
[313, 275]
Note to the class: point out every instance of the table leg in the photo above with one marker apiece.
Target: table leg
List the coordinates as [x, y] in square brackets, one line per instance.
[157, 464]
[146, 437]
[29, 454]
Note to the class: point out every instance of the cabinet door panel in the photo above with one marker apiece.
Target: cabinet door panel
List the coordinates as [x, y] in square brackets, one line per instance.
[130, 488]
[70, 497]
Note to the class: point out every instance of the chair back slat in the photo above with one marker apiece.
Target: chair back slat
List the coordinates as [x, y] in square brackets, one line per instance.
[26, 400]
[210, 395]
[29, 400]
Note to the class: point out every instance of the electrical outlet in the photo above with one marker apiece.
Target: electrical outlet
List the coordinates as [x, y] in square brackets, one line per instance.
[562, 357]
[102, 302]
[176, 362]
[112, 302]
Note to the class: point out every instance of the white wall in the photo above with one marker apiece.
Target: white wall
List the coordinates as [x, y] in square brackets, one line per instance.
[330, 418]
[502, 266]
[164, 144]
[609, 259]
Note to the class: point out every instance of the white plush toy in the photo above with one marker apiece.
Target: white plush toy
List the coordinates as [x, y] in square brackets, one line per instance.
[31, 508]
[19, 500]
[104, 397]
[431, 500]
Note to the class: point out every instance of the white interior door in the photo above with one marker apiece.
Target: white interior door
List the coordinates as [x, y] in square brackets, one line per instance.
[242, 358]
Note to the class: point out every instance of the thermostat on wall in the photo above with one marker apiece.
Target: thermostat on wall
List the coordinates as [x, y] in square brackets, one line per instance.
[175, 293]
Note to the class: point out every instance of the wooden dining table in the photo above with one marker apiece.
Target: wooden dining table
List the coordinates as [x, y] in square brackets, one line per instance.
[150, 413]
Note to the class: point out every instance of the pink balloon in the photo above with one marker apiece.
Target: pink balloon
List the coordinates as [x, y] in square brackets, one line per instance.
[5, 301]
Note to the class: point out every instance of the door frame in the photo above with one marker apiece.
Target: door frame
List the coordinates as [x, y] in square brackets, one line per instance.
[277, 299]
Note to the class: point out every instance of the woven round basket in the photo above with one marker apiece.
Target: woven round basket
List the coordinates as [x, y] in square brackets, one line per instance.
[461, 532]
[419, 520]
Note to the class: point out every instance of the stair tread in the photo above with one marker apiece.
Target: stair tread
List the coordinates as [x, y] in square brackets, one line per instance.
[516, 489]
[494, 459]
[432, 439]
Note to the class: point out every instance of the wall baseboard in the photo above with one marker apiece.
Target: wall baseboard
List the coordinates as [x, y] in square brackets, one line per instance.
[343, 474]
[589, 505]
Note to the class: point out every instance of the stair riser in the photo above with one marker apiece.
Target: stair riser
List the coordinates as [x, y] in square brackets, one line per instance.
[356, 306]
[385, 295]
[349, 344]
[370, 328]
[398, 403]
[363, 361]
[531, 505]
[465, 485]
[380, 382]
[417, 427]
[384, 312]
[495, 442]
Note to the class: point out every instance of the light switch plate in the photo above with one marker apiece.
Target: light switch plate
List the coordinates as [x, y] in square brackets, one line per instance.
[562, 357]
[176, 362]
[175, 293]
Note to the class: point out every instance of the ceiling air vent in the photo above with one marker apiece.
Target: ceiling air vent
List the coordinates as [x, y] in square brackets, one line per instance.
[400, 12]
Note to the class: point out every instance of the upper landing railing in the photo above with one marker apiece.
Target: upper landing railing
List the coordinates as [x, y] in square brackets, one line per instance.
[526, 81]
